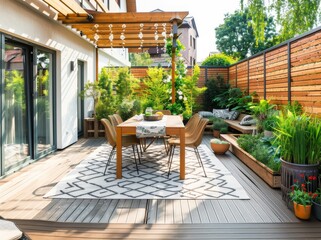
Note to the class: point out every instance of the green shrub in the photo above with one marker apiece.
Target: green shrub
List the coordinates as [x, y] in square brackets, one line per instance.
[218, 60]
[261, 149]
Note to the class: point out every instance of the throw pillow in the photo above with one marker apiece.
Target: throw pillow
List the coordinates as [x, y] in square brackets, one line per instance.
[233, 115]
[248, 120]
[221, 113]
[205, 114]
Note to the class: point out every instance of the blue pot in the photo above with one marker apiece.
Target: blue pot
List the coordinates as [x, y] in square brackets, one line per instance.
[316, 210]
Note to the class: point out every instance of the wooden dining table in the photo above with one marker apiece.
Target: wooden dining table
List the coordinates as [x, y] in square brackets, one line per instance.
[174, 127]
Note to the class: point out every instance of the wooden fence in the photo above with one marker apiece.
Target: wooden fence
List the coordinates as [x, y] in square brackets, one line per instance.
[290, 71]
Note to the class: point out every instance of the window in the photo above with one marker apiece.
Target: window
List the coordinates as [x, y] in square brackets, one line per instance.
[191, 61]
[118, 2]
[194, 43]
[191, 41]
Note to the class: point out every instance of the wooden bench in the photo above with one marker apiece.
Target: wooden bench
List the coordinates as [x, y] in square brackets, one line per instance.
[235, 124]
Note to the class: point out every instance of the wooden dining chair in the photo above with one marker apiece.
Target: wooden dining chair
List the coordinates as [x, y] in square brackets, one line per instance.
[127, 141]
[113, 120]
[192, 141]
[191, 125]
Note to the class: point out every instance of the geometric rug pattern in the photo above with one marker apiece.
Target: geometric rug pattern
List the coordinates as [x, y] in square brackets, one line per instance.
[87, 181]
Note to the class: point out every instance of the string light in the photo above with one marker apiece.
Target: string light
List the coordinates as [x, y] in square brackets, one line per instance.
[156, 35]
[141, 35]
[111, 36]
[96, 36]
[122, 36]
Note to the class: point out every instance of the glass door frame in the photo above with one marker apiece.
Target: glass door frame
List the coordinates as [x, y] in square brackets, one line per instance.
[80, 83]
[35, 154]
[30, 74]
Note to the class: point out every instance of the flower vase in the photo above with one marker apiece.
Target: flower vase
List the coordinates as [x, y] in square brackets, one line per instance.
[301, 211]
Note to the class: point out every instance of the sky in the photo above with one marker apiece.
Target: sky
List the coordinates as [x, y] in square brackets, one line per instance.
[208, 14]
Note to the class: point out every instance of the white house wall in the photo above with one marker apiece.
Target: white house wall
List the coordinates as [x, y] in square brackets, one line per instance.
[18, 20]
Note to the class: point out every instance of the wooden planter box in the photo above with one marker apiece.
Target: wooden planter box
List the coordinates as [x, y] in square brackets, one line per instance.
[268, 175]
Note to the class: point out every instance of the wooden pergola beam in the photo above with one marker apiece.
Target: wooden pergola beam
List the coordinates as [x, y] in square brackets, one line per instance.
[73, 6]
[121, 18]
[102, 6]
[58, 6]
[131, 5]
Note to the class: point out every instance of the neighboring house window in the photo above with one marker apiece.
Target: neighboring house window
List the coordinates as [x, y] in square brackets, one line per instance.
[118, 2]
[107, 4]
[191, 61]
[191, 41]
[194, 43]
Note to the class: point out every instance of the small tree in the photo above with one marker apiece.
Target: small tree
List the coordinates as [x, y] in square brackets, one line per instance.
[214, 87]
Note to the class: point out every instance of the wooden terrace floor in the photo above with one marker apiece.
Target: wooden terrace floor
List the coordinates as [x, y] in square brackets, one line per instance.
[21, 199]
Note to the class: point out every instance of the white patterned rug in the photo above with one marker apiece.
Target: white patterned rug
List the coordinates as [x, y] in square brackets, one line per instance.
[87, 180]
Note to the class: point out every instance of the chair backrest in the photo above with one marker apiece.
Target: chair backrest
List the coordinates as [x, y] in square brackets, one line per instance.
[198, 135]
[110, 133]
[113, 120]
[118, 118]
[165, 112]
[192, 123]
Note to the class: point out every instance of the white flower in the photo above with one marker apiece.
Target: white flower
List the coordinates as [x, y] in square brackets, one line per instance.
[185, 98]
[170, 98]
[179, 92]
[180, 97]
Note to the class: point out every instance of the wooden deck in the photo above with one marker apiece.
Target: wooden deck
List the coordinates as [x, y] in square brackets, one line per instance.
[21, 199]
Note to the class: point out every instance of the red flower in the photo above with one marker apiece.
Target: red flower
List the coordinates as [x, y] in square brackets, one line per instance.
[296, 180]
[303, 185]
[314, 178]
[301, 175]
[310, 178]
[314, 195]
[310, 193]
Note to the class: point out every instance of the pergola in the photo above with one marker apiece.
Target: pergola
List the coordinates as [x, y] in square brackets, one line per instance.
[136, 31]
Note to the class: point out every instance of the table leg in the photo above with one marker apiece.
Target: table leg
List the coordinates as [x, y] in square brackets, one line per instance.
[119, 152]
[182, 153]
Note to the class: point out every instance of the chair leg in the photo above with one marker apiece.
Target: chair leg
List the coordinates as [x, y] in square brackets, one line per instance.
[139, 157]
[170, 158]
[165, 145]
[198, 156]
[135, 158]
[109, 159]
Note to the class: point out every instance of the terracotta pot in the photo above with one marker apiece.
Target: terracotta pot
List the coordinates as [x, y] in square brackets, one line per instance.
[216, 133]
[220, 148]
[316, 209]
[301, 211]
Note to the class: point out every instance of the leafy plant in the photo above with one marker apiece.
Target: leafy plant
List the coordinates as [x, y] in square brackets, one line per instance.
[125, 85]
[215, 87]
[219, 125]
[156, 89]
[300, 191]
[92, 90]
[218, 60]
[218, 141]
[128, 108]
[294, 107]
[261, 149]
[270, 122]
[299, 138]
[261, 111]
[234, 99]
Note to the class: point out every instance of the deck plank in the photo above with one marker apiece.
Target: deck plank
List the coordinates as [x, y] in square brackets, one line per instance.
[21, 196]
[53, 230]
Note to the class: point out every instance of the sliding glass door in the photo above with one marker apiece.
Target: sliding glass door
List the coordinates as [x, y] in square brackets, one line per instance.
[27, 104]
[15, 116]
[43, 104]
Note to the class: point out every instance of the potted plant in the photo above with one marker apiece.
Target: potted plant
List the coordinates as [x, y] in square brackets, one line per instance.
[302, 197]
[219, 126]
[316, 207]
[299, 141]
[218, 146]
[261, 111]
[269, 124]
